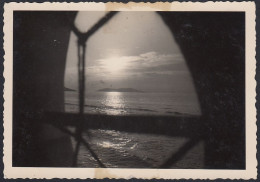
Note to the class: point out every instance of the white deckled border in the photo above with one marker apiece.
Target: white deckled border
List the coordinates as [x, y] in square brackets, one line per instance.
[29, 172]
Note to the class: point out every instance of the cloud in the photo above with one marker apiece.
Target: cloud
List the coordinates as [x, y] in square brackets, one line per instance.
[160, 58]
[145, 65]
[149, 55]
[149, 61]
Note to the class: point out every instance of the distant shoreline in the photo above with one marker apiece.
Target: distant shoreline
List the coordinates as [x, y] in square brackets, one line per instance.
[69, 89]
[119, 90]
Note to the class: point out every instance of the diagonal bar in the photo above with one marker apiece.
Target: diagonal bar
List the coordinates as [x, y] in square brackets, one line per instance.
[83, 37]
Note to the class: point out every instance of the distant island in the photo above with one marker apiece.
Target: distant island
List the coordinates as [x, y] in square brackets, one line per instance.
[68, 89]
[119, 90]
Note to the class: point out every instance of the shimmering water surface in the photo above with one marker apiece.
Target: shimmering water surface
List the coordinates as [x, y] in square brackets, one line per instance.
[132, 150]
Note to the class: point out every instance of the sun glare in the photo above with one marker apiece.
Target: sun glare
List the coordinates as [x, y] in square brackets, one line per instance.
[114, 64]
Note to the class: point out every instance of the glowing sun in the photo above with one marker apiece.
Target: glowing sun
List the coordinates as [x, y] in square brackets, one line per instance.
[114, 64]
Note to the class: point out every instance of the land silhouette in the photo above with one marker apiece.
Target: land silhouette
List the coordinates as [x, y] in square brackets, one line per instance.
[119, 90]
[69, 89]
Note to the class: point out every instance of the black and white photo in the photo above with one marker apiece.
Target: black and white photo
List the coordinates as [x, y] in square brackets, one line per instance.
[131, 89]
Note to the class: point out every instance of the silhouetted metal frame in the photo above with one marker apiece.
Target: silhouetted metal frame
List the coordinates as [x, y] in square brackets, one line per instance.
[82, 41]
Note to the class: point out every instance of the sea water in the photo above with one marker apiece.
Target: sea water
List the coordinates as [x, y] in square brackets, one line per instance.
[134, 103]
[131, 150]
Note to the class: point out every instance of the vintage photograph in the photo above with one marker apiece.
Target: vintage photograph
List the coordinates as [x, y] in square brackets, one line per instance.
[129, 89]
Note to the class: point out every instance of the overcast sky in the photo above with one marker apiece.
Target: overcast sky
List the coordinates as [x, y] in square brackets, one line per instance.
[134, 49]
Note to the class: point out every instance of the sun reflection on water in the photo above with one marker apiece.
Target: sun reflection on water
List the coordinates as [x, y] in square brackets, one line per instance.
[115, 103]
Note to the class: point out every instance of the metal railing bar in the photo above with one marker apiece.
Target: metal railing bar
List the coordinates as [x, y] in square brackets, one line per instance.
[83, 142]
[181, 152]
[162, 125]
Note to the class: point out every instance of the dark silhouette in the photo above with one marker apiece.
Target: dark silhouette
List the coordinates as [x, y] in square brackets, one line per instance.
[69, 89]
[119, 90]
